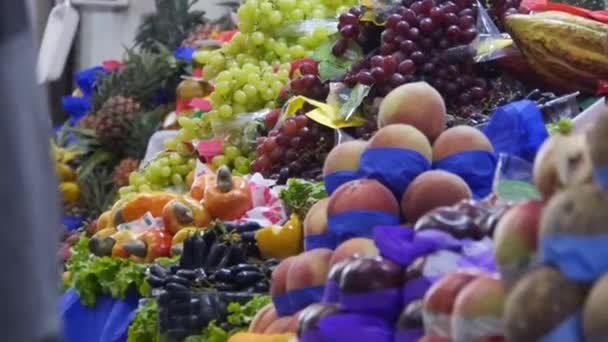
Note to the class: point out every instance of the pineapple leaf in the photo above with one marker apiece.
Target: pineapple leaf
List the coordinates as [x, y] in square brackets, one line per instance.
[146, 77]
[98, 191]
[169, 26]
[93, 161]
[142, 129]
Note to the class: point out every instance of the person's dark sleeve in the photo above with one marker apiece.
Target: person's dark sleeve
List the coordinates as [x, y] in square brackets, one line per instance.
[29, 203]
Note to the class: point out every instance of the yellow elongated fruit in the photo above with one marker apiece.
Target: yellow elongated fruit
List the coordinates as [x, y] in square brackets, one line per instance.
[567, 51]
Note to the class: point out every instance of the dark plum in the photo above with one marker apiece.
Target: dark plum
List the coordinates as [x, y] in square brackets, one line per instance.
[369, 274]
[310, 317]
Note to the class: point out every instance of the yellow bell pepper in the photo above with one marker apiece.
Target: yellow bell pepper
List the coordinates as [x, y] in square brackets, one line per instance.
[281, 241]
[70, 191]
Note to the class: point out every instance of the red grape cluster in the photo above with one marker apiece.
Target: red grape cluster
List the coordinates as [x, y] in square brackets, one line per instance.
[297, 148]
[413, 45]
[352, 29]
[502, 8]
[309, 84]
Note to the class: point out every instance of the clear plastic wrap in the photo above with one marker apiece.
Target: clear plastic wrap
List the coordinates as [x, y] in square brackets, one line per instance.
[513, 180]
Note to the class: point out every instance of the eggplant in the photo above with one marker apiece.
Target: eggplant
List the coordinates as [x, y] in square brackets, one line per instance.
[224, 275]
[174, 268]
[262, 286]
[186, 261]
[248, 227]
[201, 249]
[181, 308]
[236, 297]
[158, 271]
[174, 288]
[178, 280]
[188, 274]
[248, 237]
[155, 281]
[225, 287]
[210, 237]
[215, 256]
[244, 267]
[248, 278]
[163, 298]
[238, 255]
[225, 259]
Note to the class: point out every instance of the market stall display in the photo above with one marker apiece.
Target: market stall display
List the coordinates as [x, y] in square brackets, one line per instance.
[343, 171]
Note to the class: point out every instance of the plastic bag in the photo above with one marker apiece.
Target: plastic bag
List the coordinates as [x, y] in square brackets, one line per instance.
[304, 27]
[490, 43]
[513, 180]
[242, 130]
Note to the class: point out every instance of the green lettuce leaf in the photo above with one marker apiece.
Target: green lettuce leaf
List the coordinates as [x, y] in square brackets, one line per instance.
[92, 276]
[300, 195]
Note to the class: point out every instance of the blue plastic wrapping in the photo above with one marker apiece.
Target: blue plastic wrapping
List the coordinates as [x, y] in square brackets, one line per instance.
[409, 335]
[358, 223]
[332, 292]
[385, 303]
[600, 174]
[108, 321]
[355, 328]
[403, 245]
[77, 107]
[476, 168]
[583, 259]
[517, 128]
[415, 289]
[569, 330]
[396, 168]
[335, 179]
[72, 222]
[319, 241]
[86, 79]
[185, 54]
[282, 305]
[301, 298]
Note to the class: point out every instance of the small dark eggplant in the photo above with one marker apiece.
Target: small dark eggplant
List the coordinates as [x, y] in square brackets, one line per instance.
[163, 297]
[176, 288]
[238, 255]
[248, 237]
[215, 256]
[262, 286]
[158, 271]
[156, 282]
[248, 278]
[179, 280]
[248, 227]
[224, 275]
[188, 274]
[186, 261]
[244, 267]
[225, 287]
[201, 250]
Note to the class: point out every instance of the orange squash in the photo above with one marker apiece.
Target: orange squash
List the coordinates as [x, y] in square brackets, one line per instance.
[229, 197]
[135, 208]
[184, 212]
[197, 189]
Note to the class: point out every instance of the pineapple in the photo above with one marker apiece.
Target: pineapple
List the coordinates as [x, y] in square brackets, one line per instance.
[88, 122]
[123, 170]
[113, 122]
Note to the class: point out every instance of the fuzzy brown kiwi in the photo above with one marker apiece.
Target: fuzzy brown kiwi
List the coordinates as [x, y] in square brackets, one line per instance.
[539, 303]
[578, 211]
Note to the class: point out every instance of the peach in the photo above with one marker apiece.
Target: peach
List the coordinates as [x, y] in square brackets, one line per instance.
[354, 247]
[484, 298]
[280, 326]
[362, 194]
[402, 136]
[263, 319]
[516, 240]
[417, 104]
[430, 190]
[562, 161]
[595, 320]
[315, 222]
[460, 139]
[278, 285]
[345, 156]
[309, 269]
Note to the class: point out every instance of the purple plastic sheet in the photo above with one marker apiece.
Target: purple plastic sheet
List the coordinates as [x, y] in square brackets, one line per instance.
[332, 292]
[355, 328]
[415, 289]
[385, 303]
[403, 245]
[301, 298]
[409, 335]
[335, 179]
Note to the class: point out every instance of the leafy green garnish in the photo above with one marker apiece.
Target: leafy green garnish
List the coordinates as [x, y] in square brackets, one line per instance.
[564, 126]
[300, 195]
[331, 66]
[92, 276]
[144, 327]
